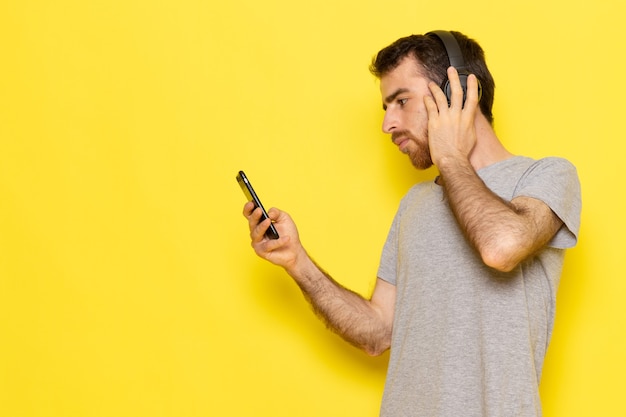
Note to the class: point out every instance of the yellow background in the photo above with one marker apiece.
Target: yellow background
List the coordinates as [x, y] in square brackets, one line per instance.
[127, 283]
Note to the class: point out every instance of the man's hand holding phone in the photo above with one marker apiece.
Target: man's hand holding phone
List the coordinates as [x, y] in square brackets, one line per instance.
[273, 233]
[285, 251]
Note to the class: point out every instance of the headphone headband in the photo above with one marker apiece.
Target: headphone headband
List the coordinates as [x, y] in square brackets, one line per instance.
[452, 48]
[455, 56]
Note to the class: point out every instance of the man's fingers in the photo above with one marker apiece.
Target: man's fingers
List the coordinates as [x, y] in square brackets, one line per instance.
[258, 228]
[274, 213]
[471, 102]
[431, 106]
[456, 90]
[438, 96]
[248, 208]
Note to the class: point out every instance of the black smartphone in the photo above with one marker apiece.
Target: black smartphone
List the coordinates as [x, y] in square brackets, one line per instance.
[247, 189]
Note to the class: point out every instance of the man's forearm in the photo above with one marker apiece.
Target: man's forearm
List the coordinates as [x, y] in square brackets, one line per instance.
[345, 312]
[492, 225]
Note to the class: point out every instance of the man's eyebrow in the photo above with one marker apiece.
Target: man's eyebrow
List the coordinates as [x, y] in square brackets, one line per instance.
[391, 97]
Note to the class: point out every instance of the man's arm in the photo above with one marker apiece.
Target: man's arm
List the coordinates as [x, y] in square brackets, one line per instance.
[503, 233]
[364, 323]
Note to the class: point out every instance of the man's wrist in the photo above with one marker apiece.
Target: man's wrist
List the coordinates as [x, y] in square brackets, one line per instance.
[301, 267]
[452, 163]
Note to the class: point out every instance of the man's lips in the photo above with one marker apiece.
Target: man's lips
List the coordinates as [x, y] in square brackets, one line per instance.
[400, 141]
[399, 137]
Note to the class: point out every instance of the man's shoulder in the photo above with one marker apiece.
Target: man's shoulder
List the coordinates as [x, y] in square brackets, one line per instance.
[525, 165]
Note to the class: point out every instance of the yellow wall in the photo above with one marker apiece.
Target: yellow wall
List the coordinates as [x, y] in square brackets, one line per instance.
[127, 283]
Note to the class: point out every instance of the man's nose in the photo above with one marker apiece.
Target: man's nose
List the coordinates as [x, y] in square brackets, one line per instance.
[390, 122]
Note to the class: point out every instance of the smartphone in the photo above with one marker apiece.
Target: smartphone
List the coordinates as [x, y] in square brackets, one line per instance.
[247, 189]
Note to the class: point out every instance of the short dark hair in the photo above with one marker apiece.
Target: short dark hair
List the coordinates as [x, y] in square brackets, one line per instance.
[432, 57]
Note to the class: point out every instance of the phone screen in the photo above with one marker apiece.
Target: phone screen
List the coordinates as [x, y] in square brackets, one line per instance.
[247, 189]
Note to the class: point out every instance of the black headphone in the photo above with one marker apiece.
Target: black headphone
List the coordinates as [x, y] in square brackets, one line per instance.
[455, 56]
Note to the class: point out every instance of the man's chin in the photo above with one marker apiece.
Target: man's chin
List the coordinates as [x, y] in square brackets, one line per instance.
[421, 163]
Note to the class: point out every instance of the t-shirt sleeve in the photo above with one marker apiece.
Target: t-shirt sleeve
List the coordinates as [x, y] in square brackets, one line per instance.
[555, 182]
[387, 269]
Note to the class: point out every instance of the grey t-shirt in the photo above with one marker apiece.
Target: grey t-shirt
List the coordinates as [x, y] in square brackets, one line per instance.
[469, 340]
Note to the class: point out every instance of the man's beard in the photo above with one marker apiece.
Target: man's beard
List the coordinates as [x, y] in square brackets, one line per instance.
[420, 158]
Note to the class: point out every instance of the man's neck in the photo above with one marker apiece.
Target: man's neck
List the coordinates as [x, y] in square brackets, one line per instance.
[488, 149]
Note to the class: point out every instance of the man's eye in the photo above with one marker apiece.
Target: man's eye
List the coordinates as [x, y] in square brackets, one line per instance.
[403, 101]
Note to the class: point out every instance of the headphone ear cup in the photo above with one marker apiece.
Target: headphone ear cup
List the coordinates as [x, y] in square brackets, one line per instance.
[463, 78]
[447, 90]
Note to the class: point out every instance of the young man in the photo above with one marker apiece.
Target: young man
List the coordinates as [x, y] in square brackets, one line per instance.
[466, 286]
